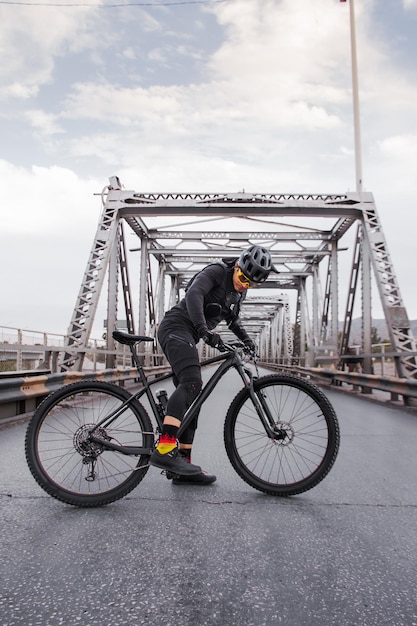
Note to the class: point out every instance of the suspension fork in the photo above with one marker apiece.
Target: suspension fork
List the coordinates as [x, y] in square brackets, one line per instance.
[258, 400]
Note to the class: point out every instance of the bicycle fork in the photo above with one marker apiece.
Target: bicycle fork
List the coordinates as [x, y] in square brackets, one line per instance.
[260, 404]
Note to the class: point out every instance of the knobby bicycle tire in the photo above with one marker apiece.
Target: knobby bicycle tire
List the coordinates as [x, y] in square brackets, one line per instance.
[72, 468]
[305, 442]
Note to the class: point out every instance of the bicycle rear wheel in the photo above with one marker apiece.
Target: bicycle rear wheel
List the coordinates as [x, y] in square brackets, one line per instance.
[305, 442]
[71, 467]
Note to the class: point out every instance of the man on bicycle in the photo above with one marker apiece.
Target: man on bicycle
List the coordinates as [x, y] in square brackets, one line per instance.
[213, 295]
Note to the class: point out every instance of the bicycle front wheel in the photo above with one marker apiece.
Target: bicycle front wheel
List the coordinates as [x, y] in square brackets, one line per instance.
[71, 467]
[303, 444]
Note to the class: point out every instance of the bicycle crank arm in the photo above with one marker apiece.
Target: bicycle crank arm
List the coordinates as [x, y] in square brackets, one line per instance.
[127, 450]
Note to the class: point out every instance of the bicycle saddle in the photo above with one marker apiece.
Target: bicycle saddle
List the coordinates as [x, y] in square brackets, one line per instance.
[128, 339]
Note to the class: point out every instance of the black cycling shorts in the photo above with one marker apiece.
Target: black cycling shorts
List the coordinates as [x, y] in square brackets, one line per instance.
[179, 347]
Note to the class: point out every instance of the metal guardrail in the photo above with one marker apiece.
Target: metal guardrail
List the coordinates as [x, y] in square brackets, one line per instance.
[395, 386]
[47, 356]
[404, 387]
[23, 349]
[20, 395]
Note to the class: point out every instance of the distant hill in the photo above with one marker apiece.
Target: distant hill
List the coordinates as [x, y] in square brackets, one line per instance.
[380, 325]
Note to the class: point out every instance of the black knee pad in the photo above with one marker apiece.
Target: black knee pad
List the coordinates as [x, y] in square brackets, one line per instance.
[190, 388]
[184, 395]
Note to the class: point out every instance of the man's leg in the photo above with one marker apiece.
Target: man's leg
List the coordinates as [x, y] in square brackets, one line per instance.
[188, 386]
[193, 376]
[187, 439]
[183, 358]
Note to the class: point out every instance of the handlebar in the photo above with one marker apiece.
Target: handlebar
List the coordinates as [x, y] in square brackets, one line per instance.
[236, 346]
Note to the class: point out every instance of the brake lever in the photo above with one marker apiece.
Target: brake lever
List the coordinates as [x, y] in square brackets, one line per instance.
[250, 352]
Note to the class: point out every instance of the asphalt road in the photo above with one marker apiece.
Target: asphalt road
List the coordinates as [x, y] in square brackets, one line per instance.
[344, 553]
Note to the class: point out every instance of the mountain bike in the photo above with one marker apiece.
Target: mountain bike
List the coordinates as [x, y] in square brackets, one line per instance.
[89, 443]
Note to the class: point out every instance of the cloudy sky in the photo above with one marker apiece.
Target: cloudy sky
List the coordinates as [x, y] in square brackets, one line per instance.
[216, 95]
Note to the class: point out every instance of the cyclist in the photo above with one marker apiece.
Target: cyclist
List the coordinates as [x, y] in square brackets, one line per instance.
[213, 294]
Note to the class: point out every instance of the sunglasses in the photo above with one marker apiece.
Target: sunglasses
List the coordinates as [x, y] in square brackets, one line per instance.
[244, 279]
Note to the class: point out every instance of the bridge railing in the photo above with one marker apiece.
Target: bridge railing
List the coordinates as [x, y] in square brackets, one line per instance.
[398, 389]
[27, 350]
[21, 394]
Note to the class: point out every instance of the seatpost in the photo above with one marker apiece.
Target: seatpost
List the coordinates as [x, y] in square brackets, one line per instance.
[138, 364]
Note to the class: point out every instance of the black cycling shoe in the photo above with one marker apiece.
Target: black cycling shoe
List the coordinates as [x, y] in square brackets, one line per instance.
[195, 479]
[174, 462]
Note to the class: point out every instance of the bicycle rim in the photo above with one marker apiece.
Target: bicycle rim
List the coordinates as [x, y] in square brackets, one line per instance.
[305, 442]
[70, 467]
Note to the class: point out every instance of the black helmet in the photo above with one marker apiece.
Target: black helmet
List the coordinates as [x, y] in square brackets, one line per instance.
[256, 263]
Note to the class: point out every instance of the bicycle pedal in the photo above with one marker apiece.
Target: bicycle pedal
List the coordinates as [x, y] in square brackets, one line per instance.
[169, 475]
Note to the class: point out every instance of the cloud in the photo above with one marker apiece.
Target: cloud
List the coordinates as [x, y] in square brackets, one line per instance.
[401, 147]
[266, 40]
[49, 220]
[33, 37]
[45, 201]
[45, 123]
[269, 109]
[18, 91]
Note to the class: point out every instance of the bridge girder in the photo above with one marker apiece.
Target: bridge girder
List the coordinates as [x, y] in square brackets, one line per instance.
[181, 232]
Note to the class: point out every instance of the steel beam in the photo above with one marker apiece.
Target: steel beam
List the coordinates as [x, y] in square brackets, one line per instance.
[303, 232]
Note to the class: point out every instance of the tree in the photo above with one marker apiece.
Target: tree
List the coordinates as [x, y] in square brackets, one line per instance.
[375, 338]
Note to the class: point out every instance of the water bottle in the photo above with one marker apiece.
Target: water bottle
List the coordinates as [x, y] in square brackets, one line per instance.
[162, 397]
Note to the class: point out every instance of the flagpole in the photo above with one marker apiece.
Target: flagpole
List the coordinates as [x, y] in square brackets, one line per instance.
[355, 93]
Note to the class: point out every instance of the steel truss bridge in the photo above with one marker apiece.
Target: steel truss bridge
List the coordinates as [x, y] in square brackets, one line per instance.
[313, 239]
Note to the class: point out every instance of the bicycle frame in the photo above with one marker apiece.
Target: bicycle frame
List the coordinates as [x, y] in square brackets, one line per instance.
[230, 359]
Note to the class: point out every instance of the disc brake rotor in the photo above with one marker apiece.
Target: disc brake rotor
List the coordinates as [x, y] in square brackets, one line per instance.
[284, 433]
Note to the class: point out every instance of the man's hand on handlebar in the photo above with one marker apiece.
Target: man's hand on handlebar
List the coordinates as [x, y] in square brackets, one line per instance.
[214, 340]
